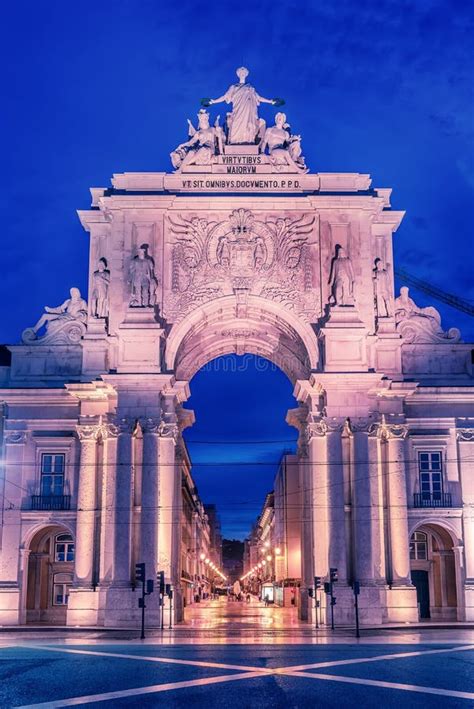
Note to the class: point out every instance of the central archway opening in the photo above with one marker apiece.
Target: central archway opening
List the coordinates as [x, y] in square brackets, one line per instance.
[237, 446]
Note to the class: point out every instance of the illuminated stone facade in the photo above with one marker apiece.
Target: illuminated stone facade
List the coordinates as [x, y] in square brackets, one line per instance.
[241, 250]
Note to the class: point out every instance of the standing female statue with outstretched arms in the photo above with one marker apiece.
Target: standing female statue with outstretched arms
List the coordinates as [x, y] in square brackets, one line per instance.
[244, 125]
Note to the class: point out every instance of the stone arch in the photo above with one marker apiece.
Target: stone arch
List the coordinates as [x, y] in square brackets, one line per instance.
[247, 325]
[46, 572]
[436, 574]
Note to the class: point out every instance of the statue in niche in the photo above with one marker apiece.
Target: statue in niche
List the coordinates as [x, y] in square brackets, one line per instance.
[73, 312]
[142, 279]
[382, 290]
[284, 149]
[203, 144]
[100, 290]
[341, 279]
[420, 325]
[243, 124]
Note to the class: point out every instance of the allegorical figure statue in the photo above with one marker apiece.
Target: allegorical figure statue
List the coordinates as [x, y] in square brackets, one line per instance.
[74, 309]
[382, 290]
[202, 145]
[283, 148]
[100, 290]
[420, 325]
[142, 279]
[243, 124]
[341, 279]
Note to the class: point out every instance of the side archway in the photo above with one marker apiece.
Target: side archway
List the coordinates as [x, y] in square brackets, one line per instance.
[50, 571]
[434, 571]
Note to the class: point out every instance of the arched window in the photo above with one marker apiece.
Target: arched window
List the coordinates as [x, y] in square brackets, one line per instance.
[64, 548]
[419, 546]
[61, 585]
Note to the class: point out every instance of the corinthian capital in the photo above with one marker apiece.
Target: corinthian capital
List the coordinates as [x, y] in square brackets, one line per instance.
[465, 434]
[87, 432]
[150, 424]
[15, 436]
[168, 430]
[316, 428]
[396, 430]
[116, 425]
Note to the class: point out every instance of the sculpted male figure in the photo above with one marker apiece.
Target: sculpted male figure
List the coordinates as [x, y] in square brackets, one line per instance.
[342, 279]
[100, 290]
[142, 279]
[244, 124]
[383, 292]
[201, 147]
[74, 308]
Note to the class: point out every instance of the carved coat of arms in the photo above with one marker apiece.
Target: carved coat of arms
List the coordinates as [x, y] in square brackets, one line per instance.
[267, 258]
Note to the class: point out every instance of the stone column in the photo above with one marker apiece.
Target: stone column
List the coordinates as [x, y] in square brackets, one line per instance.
[149, 497]
[465, 438]
[86, 507]
[168, 500]
[368, 505]
[337, 521]
[319, 486]
[397, 506]
[122, 507]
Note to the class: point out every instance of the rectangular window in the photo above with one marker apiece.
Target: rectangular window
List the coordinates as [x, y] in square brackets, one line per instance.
[52, 474]
[431, 475]
[60, 594]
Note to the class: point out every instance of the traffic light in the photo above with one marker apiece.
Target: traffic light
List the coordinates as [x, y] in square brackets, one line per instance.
[149, 586]
[310, 592]
[140, 573]
[333, 575]
[160, 577]
[356, 588]
[168, 589]
[317, 582]
[327, 587]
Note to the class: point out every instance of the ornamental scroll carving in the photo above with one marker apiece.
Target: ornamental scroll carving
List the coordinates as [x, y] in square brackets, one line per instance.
[265, 256]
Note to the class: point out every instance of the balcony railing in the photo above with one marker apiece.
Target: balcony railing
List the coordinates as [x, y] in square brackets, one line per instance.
[51, 502]
[441, 499]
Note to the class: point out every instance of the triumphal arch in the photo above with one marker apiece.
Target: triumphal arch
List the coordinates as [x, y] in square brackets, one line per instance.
[241, 248]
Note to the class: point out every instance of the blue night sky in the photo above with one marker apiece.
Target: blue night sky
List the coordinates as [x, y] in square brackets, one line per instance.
[92, 88]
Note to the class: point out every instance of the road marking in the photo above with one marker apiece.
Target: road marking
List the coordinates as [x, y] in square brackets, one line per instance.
[150, 689]
[153, 658]
[385, 685]
[254, 672]
[377, 658]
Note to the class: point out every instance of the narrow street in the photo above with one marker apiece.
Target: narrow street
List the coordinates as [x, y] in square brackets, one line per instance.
[239, 616]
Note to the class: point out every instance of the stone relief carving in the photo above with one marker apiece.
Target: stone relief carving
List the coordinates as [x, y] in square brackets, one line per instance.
[243, 124]
[100, 290]
[382, 290]
[421, 325]
[341, 279]
[284, 149]
[64, 324]
[241, 253]
[142, 279]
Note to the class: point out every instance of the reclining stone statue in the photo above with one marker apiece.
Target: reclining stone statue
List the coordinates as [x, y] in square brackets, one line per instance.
[66, 323]
[421, 325]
